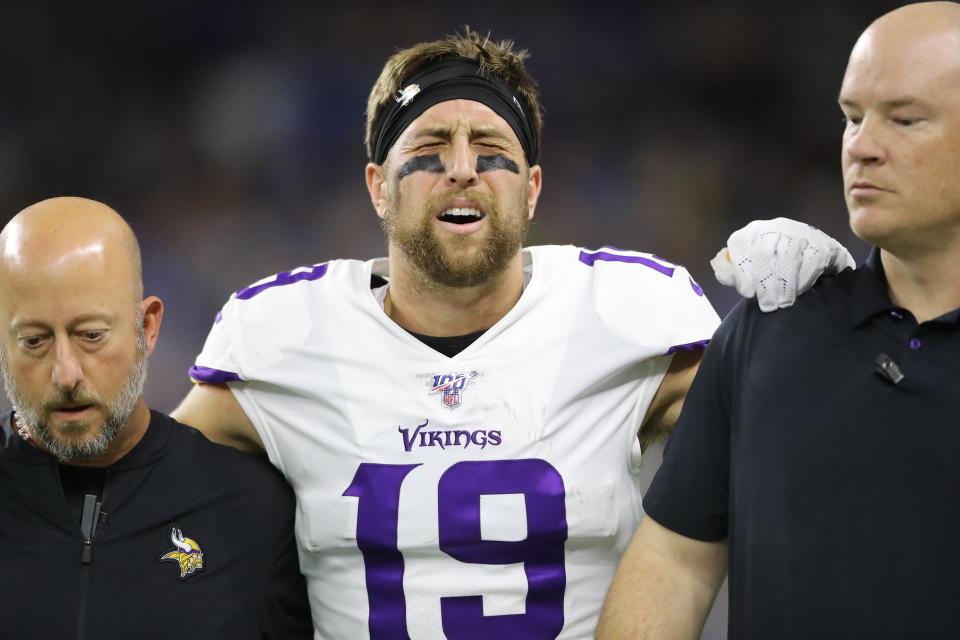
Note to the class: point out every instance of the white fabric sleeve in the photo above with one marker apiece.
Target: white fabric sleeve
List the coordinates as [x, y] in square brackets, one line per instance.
[217, 362]
[692, 318]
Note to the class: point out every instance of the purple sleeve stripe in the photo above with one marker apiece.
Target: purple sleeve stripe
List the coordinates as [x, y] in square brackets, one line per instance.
[284, 278]
[218, 318]
[697, 289]
[652, 255]
[213, 376]
[589, 257]
[699, 345]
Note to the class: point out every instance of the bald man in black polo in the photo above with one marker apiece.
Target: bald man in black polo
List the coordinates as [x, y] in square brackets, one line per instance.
[817, 451]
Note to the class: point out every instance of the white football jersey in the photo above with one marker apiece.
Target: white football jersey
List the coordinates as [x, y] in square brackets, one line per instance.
[488, 495]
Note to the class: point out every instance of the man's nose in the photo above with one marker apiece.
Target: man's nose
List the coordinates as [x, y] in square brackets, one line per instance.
[864, 144]
[462, 165]
[67, 370]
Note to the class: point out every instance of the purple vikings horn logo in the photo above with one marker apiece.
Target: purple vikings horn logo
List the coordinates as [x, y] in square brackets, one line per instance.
[187, 554]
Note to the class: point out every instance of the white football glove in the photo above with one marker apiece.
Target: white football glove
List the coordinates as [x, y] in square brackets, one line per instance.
[778, 259]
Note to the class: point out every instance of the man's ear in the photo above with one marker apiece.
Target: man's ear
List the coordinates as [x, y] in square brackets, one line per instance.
[376, 186]
[152, 310]
[534, 183]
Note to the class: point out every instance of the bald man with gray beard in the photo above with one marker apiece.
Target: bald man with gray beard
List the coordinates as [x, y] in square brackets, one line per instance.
[117, 521]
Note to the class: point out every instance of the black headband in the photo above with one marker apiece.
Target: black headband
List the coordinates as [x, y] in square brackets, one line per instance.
[452, 78]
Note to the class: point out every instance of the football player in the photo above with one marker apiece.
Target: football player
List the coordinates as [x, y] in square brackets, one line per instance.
[459, 420]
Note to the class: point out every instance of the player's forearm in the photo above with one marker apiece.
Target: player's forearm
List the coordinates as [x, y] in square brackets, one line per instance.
[664, 587]
[654, 608]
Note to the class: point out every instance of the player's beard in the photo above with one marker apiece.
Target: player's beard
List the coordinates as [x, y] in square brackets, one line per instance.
[115, 414]
[458, 261]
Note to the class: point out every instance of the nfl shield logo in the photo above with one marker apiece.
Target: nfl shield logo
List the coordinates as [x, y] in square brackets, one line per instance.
[451, 398]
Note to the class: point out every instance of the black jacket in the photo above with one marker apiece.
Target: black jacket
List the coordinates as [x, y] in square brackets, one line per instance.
[174, 488]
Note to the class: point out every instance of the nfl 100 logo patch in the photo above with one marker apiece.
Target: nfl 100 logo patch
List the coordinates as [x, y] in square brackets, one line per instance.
[450, 387]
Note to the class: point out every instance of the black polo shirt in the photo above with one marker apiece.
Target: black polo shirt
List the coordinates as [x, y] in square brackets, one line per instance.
[838, 489]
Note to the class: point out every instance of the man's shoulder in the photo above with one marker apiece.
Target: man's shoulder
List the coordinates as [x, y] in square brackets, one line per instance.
[225, 468]
[828, 300]
[640, 297]
[625, 268]
[821, 311]
[290, 295]
[314, 277]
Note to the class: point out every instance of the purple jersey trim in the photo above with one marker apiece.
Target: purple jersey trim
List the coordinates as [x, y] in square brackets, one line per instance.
[589, 257]
[697, 289]
[218, 318]
[699, 345]
[213, 376]
[284, 278]
[652, 255]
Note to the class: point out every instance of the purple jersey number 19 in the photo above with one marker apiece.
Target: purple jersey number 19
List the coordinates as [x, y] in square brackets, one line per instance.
[542, 552]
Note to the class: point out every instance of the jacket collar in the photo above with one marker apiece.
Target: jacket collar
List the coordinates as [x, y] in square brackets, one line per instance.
[155, 442]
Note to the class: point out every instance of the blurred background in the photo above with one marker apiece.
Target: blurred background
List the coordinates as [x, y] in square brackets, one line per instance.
[230, 134]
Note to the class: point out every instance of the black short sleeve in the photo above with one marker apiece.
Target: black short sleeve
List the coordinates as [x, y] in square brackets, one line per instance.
[690, 492]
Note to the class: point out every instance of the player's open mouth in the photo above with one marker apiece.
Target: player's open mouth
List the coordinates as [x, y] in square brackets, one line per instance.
[461, 220]
[461, 215]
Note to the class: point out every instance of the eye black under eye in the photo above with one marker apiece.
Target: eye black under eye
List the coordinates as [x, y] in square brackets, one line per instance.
[429, 163]
[496, 161]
